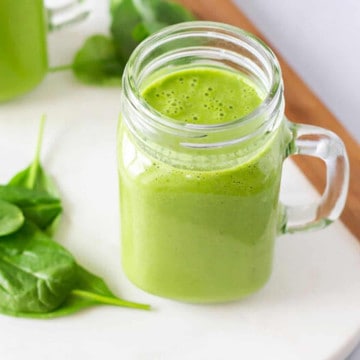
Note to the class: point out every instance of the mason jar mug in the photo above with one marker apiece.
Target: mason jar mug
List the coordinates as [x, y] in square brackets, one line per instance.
[199, 200]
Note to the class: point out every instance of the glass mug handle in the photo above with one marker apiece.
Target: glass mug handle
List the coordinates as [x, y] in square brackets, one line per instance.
[324, 144]
[68, 13]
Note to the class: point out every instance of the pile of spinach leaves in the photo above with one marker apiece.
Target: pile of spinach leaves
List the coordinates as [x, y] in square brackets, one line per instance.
[38, 277]
[102, 59]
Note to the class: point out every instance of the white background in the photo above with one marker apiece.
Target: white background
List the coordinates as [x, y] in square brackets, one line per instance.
[320, 39]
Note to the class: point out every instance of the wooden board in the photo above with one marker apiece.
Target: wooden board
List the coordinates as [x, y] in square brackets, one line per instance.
[302, 106]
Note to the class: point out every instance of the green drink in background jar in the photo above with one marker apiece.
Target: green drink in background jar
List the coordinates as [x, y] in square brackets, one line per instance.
[23, 49]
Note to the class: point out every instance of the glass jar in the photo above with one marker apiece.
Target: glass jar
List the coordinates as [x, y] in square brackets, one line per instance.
[200, 204]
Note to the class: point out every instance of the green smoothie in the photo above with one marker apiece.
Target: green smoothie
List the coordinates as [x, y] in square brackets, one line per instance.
[200, 236]
[202, 96]
[23, 59]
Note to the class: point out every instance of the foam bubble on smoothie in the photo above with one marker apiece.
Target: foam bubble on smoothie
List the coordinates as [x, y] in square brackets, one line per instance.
[202, 95]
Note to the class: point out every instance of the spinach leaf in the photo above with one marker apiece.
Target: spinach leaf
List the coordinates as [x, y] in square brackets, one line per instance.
[40, 279]
[34, 176]
[134, 20]
[102, 59]
[92, 289]
[169, 12]
[37, 206]
[89, 291]
[36, 273]
[113, 5]
[11, 218]
[127, 28]
[96, 62]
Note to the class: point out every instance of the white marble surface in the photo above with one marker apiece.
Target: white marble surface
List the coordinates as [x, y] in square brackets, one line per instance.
[309, 309]
[321, 41]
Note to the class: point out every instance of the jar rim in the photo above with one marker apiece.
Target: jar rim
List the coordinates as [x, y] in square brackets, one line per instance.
[271, 99]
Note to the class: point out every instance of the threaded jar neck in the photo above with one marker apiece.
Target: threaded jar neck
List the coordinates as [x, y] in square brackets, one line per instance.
[201, 44]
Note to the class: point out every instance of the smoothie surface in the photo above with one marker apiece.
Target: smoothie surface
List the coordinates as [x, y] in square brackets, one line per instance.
[202, 95]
